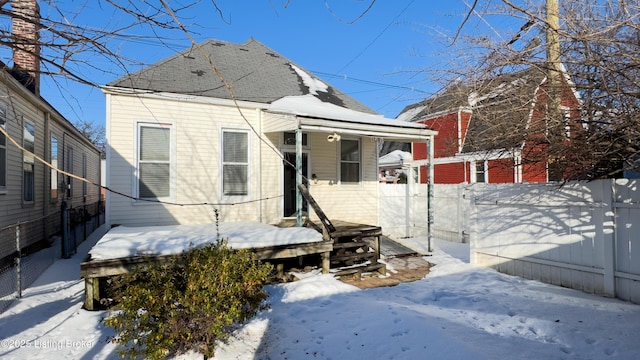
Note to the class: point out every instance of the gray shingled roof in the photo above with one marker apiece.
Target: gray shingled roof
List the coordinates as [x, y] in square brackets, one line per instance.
[500, 108]
[255, 73]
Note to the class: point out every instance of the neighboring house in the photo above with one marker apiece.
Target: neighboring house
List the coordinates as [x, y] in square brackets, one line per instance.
[222, 124]
[32, 193]
[493, 131]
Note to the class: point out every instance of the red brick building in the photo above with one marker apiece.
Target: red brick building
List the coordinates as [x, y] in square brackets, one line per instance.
[493, 131]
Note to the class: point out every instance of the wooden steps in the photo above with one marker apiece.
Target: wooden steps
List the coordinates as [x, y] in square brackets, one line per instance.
[356, 247]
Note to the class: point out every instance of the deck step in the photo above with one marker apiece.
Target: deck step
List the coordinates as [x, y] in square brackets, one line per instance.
[350, 245]
[350, 259]
[363, 268]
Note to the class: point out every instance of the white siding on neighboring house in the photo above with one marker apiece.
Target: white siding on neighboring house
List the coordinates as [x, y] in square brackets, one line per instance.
[22, 107]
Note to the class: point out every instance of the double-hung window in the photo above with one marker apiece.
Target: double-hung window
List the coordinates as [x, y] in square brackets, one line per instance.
[28, 162]
[350, 161]
[69, 168]
[54, 173]
[235, 163]
[154, 161]
[3, 150]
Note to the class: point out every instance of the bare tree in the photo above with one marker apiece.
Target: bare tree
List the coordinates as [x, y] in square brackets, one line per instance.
[67, 47]
[600, 50]
[93, 132]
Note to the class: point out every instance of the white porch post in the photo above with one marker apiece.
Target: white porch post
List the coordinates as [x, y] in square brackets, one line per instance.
[298, 176]
[430, 150]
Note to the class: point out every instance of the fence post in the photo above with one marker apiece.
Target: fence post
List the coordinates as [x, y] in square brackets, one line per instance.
[66, 241]
[609, 238]
[18, 262]
[472, 224]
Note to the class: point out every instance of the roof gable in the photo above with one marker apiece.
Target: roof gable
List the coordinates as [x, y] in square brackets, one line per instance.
[253, 72]
[517, 88]
[500, 106]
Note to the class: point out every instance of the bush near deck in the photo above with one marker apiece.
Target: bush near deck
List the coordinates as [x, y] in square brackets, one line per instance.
[190, 303]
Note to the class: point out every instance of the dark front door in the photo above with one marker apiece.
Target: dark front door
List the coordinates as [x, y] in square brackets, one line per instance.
[290, 183]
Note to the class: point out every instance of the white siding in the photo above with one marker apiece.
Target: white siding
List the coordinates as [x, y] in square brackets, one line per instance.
[197, 128]
[348, 202]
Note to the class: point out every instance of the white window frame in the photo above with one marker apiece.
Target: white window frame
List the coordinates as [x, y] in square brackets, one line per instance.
[239, 197]
[172, 162]
[54, 183]
[84, 176]
[474, 171]
[3, 124]
[28, 159]
[359, 161]
[68, 158]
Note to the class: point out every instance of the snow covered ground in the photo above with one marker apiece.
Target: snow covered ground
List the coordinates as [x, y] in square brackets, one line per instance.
[458, 311]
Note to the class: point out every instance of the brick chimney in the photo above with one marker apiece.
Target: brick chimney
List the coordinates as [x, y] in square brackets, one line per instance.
[26, 38]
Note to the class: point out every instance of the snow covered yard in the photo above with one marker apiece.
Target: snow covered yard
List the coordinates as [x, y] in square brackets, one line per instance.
[457, 312]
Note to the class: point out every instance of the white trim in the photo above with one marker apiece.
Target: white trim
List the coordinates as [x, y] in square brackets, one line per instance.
[360, 162]
[33, 161]
[172, 160]
[235, 198]
[107, 175]
[183, 98]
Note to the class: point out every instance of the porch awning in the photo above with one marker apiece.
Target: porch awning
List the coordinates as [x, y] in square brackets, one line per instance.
[313, 115]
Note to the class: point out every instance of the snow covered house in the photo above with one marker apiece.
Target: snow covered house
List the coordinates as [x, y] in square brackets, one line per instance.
[227, 125]
[492, 131]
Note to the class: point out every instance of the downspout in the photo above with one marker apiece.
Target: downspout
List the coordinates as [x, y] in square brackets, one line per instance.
[298, 175]
[430, 149]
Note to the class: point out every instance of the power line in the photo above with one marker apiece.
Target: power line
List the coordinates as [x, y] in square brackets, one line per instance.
[49, 165]
[376, 38]
[369, 82]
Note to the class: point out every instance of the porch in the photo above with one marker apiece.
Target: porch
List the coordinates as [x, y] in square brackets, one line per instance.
[123, 248]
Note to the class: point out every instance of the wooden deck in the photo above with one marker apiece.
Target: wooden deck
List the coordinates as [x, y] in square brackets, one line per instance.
[93, 270]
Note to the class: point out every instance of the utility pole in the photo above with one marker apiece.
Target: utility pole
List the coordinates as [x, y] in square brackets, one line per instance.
[555, 125]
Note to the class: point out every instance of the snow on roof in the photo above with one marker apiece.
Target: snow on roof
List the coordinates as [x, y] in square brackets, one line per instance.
[410, 114]
[125, 241]
[312, 83]
[309, 105]
[395, 158]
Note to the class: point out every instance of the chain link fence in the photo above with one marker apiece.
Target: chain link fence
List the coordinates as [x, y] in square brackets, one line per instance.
[28, 248]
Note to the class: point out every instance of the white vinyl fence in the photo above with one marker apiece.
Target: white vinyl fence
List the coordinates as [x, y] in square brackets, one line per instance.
[582, 235]
[403, 210]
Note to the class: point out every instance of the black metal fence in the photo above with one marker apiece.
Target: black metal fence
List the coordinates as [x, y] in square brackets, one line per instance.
[28, 248]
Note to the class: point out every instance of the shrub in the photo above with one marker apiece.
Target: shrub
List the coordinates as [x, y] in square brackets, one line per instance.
[188, 303]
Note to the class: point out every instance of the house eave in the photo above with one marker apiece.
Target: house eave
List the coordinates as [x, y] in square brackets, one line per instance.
[386, 131]
[150, 94]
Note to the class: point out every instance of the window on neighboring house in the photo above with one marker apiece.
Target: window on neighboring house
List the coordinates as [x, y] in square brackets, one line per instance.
[349, 161]
[566, 121]
[154, 161]
[84, 175]
[235, 163]
[54, 174]
[3, 150]
[481, 171]
[28, 162]
[69, 169]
